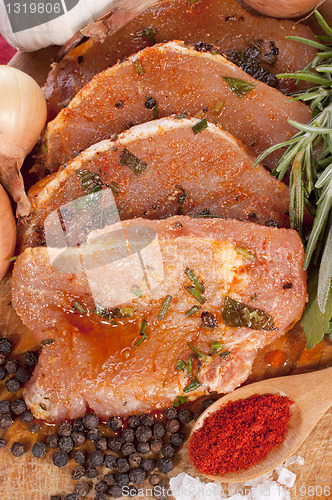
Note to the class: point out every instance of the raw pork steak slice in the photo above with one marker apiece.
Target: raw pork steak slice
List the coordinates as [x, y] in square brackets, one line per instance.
[218, 285]
[178, 79]
[208, 173]
[220, 22]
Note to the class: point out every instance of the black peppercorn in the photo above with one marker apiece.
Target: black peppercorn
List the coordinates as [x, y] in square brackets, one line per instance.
[148, 464]
[115, 443]
[167, 451]
[30, 358]
[122, 479]
[109, 479]
[101, 496]
[115, 423]
[156, 445]
[176, 439]
[91, 472]
[3, 373]
[66, 444]
[134, 460]
[27, 417]
[6, 345]
[93, 434]
[22, 375]
[128, 435]
[150, 103]
[52, 441]
[165, 465]
[38, 450]
[185, 416]
[170, 413]
[4, 406]
[137, 476]
[18, 407]
[96, 458]
[82, 488]
[11, 366]
[79, 456]
[147, 420]
[12, 385]
[60, 458]
[143, 448]
[101, 487]
[78, 472]
[90, 420]
[78, 425]
[123, 465]
[154, 479]
[172, 426]
[128, 449]
[34, 428]
[110, 461]
[159, 430]
[119, 104]
[55, 497]
[2, 443]
[115, 491]
[78, 438]
[72, 496]
[17, 449]
[101, 444]
[143, 434]
[64, 429]
[5, 421]
[209, 320]
[133, 422]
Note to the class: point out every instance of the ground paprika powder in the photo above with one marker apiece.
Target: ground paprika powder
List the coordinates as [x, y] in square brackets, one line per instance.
[240, 434]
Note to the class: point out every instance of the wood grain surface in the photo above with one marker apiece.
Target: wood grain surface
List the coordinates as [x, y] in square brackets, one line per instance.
[28, 478]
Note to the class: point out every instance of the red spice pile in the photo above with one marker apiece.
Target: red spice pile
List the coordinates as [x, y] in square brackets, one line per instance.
[240, 434]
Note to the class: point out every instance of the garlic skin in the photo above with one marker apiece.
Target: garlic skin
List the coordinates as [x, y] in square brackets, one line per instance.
[56, 31]
[22, 118]
[7, 232]
[283, 8]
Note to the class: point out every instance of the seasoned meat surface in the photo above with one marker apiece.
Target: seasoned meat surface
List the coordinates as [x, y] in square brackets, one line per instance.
[220, 22]
[245, 280]
[203, 174]
[179, 79]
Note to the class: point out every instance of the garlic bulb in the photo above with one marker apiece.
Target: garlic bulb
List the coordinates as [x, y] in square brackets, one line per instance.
[22, 118]
[284, 8]
[29, 26]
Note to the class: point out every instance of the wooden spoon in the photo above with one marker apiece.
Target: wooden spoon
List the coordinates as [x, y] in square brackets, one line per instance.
[312, 396]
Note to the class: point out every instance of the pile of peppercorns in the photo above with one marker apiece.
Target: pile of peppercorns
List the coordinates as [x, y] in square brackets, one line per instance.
[15, 374]
[139, 449]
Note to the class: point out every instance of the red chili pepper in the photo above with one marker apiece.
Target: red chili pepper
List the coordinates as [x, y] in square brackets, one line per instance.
[240, 434]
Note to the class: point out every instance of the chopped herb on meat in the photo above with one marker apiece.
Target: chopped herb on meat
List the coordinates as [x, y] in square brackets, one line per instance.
[135, 164]
[237, 315]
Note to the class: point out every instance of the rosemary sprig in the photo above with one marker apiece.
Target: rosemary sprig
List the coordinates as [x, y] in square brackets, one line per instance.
[309, 155]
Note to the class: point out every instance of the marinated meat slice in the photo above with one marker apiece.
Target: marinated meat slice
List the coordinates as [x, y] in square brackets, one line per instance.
[208, 173]
[220, 22]
[222, 286]
[178, 79]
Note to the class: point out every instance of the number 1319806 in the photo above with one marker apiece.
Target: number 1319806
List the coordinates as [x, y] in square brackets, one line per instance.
[34, 8]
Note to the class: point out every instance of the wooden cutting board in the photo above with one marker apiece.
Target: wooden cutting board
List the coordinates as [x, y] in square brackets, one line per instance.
[27, 478]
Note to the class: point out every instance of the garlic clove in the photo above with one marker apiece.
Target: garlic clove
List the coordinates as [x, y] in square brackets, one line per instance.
[284, 8]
